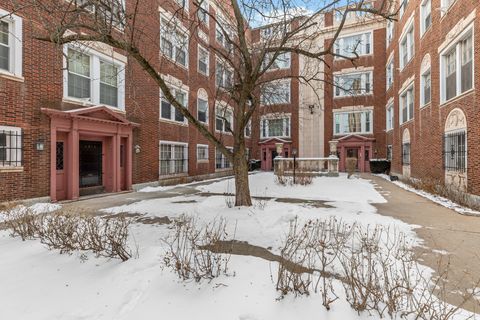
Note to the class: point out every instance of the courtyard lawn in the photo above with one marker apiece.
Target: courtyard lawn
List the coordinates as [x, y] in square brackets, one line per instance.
[36, 283]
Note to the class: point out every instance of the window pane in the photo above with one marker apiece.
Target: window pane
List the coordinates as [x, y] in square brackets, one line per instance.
[166, 111]
[78, 86]
[78, 63]
[202, 110]
[4, 43]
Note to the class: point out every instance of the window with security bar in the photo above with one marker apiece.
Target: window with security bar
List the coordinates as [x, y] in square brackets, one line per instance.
[406, 154]
[173, 158]
[455, 151]
[10, 147]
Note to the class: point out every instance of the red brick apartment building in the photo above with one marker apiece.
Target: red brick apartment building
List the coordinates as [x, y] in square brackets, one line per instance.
[70, 131]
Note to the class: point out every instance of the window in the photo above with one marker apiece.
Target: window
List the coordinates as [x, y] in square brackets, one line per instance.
[202, 110]
[455, 151]
[223, 119]
[389, 32]
[457, 67]
[282, 61]
[11, 42]
[390, 73]
[274, 31]
[60, 155]
[353, 84]
[275, 92]
[445, 5]
[182, 3]
[407, 47]
[173, 42]
[10, 147]
[202, 12]
[426, 87]
[406, 153]
[403, 7]
[348, 122]
[248, 129]
[173, 158]
[223, 32]
[203, 59]
[406, 105]
[168, 111]
[221, 162]
[108, 84]
[426, 16]
[223, 76]
[351, 46]
[94, 77]
[390, 117]
[202, 152]
[275, 127]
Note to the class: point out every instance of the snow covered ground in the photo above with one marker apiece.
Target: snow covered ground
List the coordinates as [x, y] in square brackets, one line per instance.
[36, 283]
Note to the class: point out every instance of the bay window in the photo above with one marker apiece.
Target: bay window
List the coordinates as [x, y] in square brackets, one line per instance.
[348, 122]
[275, 126]
[353, 84]
[456, 69]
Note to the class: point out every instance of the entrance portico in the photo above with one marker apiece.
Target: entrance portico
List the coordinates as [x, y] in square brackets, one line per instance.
[89, 148]
[355, 146]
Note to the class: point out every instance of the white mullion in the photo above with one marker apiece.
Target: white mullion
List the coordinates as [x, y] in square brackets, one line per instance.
[458, 67]
[94, 79]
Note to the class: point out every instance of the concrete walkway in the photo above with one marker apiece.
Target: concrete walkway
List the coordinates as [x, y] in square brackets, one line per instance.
[451, 240]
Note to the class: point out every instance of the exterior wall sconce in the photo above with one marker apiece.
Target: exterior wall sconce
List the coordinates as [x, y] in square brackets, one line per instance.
[312, 108]
[137, 149]
[40, 145]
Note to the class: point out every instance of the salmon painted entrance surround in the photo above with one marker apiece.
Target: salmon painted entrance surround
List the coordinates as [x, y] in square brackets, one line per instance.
[268, 151]
[355, 145]
[101, 124]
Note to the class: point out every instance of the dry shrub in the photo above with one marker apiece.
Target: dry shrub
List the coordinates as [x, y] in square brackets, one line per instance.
[69, 231]
[189, 253]
[351, 164]
[378, 270]
[450, 192]
[301, 178]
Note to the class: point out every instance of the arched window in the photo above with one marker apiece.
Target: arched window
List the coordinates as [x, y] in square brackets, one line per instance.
[425, 81]
[406, 148]
[455, 142]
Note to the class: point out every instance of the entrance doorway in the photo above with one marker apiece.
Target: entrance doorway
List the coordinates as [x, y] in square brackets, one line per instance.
[90, 164]
[274, 155]
[352, 153]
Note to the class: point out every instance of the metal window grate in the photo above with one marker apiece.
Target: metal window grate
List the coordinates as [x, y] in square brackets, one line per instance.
[406, 154]
[455, 151]
[10, 148]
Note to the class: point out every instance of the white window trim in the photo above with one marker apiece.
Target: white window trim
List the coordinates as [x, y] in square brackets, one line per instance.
[249, 126]
[208, 108]
[370, 32]
[226, 67]
[391, 62]
[272, 68]
[200, 48]
[389, 32]
[342, 92]
[224, 159]
[185, 155]
[390, 122]
[179, 27]
[16, 47]
[408, 27]
[444, 9]
[422, 85]
[223, 131]
[18, 131]
[172, 108]
[455, 43]
[279, 81]
[95, 58]
[423, 30]
[339, 112]
[208, 154]
[272, 116]
[405, 91]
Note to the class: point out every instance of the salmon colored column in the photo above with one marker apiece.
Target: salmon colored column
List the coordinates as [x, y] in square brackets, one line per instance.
[73, 162]
[116, 162]
[53, 162]
[128, 162]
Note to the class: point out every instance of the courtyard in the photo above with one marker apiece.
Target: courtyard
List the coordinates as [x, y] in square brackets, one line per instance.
[38, 283]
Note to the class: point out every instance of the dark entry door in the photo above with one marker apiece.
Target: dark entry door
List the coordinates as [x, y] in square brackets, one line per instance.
[90, 163]
[274, 155]
[353, 153]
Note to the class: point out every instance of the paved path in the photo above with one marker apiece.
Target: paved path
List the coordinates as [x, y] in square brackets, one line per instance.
[450, 239]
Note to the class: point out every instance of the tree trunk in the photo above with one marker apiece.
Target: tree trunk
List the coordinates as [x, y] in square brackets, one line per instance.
[240, 170]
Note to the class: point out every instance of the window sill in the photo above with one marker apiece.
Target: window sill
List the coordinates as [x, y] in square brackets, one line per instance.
[174, 62]
[407, 122]
[425, 105]
[353, 133]
[223, 169]
[10, 169]
[359, 56]
[426, 31]
[173, 175]
[87, 104]
[389, 130]
[183, 124]
[354, 96]
[203, 161]
[445, 11]
[223, 132]
[11, 76]
[460, 96]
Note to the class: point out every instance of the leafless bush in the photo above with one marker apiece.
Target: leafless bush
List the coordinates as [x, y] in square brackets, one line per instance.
[192, 249]
[378, 270]
[301, 178]
[70, 231]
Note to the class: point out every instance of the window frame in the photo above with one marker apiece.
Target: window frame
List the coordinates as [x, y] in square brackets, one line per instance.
[206, 148]
[341, 39]
[363, 121]
[95, 58]
[408, 37]
[200, 49]
[424, 103]
[170, 33]
[228, 109]
[206, 112]
[184, 159]
[15, 40]
[410, 88]
[340, 93]
[286, 125]
[390, 70]
[18, 133]
[390, 117]
[423, 27]
[173, 90]
[273, 67]
[282, 82]
[223, 160]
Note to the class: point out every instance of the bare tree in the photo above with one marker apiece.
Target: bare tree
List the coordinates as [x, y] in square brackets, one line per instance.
[251, 37]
